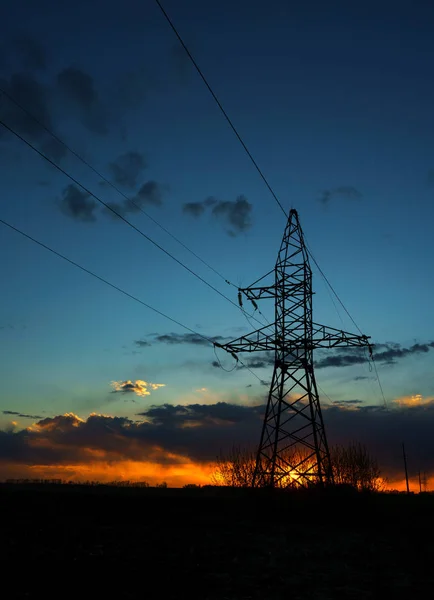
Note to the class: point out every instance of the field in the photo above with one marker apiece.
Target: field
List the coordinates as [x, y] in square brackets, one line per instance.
[214, 544]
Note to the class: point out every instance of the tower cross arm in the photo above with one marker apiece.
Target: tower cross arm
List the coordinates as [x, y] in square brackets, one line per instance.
[259, 293]
[322, 337]
[255, 341]
[328, 337]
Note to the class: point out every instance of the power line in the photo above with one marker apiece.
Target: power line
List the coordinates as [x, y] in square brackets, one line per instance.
[228, 119]
[226, 116]
[231, 124]
[333, 290]
[326, 395]
[353, 321]
[108, 207]
[379, 382]
[112, 285]
[85, 162]
[115, 287]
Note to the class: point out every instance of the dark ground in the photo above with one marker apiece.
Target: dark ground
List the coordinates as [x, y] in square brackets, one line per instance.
[62, 541]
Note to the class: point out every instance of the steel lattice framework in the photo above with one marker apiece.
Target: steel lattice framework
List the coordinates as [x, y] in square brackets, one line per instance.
[293, 448]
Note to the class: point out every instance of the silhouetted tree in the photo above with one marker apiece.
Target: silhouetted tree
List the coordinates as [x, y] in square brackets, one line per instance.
[235, 469]
[355, 466]
[352, 465]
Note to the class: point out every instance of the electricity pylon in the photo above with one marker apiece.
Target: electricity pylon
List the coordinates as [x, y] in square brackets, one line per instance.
[293, 448]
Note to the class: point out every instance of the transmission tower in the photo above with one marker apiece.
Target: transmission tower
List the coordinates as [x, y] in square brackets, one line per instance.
[293, 449]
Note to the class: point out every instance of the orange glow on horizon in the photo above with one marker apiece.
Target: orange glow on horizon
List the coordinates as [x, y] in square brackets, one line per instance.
[175, 475]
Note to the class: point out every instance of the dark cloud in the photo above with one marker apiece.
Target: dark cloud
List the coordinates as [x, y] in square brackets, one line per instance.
[126, 169]
[23, 416]
[35, 97]
[346, 192]
[347, 402]
[66, 439]
[78, 90]
[53, 149]
[180, 415]
[200, 432]
[150, 194]
[195, 209]
[78, 204]
[133, 87]
[142, 343]
[187, 338]
[261, 361]
[31, 53]
[389, 355]
[361, 377]
[181, 63]
[236, 215]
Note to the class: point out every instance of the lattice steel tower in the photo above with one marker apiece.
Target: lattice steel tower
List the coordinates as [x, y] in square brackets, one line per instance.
[293, 448]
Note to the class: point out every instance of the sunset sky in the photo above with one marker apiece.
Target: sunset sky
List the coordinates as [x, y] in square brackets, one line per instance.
[335, 102]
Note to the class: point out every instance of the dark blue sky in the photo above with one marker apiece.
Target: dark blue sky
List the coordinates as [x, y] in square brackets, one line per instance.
[335, 101]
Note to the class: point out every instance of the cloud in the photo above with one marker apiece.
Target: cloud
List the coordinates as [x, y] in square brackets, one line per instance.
[413, 400]
[149, 194]
[33, 96]
[53, 149]
[345, 192]
[180, 415]
[23, 416]
[31, 53]
[235, 215]
[171, 435]
[133, 87]
[139, 387]
[195, 209]
[196, 432]
[78, 91]
[142, 343]
[347, 402]
[126, 169]
[184, 338]
[389, 355]
[78, 204]
[181, 63]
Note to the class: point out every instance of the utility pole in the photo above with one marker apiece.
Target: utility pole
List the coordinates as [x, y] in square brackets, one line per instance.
[293, 448]
[405, 467]
[420, 483]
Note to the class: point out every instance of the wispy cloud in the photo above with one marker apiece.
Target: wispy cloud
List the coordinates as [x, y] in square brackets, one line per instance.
[180, 338]
[21, 415]
[346, 192]
[390, 354]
